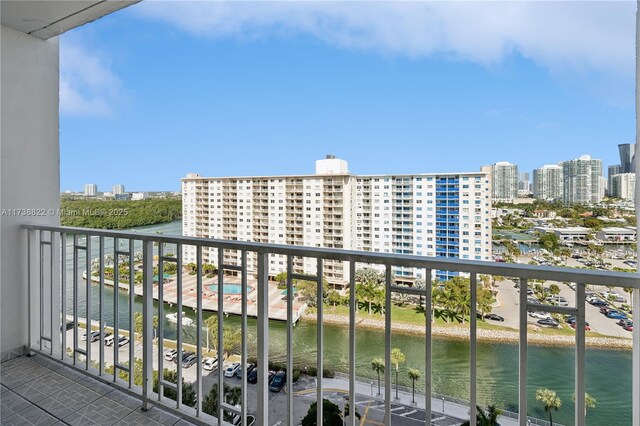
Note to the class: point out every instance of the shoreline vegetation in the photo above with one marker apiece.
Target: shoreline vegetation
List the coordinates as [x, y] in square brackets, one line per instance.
[121, 214]
[461, 332]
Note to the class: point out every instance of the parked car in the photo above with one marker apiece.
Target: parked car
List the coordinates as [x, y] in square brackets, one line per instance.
[616, 315]
[170, 354]
[184, 356]
[586, 326]
[494, 317]
[548, 321]
[628, 327]
[252, 376]
[230, 371]
[110, 340]
[68, 325]
[210, 364]
[250, 367]
[94, 336]
[624, 322]
[605, 310]
[189, 361]
[540, 315]
[598, 302]
[278, 381]
[569, 319]
[271, 376]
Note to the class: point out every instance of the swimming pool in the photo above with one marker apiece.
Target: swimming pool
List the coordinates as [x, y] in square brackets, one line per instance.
[229, 288]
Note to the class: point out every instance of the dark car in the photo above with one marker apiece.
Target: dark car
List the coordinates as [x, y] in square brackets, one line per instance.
[184, 356]
[278, 381]
[494, 317]
[598, 302]
[605, 310]
[548, 321]
[189, 361]
[252, 376]
[68, 326]
[624, 322]
[93, 337]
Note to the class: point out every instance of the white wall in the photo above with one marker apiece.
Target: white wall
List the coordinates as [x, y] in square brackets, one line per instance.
[29, 165]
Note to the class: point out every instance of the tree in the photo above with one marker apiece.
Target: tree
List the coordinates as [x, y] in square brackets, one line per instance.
[550, 242]
[365, 275]
[413, 375]
[188, 393]
[488, 418]
[485, 301]
[212, 330]
[397, 358]
[550, 400]
[589, 402]
[378, 366]
[138, 324]
[282, 277]
[554, 289]
[331, 414]
[231, 397]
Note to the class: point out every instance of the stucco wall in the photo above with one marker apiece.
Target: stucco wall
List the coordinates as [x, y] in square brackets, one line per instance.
[29, 165]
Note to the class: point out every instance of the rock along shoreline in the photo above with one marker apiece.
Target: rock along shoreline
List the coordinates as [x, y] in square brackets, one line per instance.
[483, 335]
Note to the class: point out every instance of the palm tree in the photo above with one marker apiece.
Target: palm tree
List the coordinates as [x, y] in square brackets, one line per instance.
[550, 400]
[413, 375]
[589, 402]
[378, 366]
[397, 357]
[554, 289]
[488, 418]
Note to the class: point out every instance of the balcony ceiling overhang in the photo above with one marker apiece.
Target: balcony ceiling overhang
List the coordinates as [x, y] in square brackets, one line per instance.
[49, 18]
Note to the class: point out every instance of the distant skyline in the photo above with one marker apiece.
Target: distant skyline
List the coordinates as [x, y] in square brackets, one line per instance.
[162, 89]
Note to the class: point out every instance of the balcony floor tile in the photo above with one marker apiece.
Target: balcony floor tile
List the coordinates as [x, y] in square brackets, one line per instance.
[30, 415]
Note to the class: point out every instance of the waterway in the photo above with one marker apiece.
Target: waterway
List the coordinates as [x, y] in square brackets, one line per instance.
[608, 371]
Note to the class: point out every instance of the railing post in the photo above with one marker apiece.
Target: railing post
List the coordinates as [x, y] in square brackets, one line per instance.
[262, 414]
[387, 347]
[147, 324]
[635, 378]
[580, 356]
[473, 349]
[522, 367]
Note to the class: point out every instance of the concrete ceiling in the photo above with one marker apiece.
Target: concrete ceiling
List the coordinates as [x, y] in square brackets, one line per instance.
[49, 18]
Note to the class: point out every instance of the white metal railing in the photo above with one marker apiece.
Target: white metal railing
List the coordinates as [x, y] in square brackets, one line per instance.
[52, 284]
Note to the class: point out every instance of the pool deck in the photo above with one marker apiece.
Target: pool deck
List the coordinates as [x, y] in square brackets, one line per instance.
[232, 302]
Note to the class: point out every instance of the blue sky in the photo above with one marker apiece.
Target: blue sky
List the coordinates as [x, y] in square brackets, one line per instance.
[162, 89]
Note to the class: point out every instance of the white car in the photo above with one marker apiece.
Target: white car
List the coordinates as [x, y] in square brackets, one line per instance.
[210, 364]
[231, 370]
[540, 315]
[170, 354]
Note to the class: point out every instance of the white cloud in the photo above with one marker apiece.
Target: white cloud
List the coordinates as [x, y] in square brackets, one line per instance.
[87, 85]
[562, 36]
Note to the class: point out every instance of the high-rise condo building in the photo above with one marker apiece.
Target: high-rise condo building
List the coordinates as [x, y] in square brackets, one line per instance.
[583, 180]
[118, 189]
[611, 172]
[443, 215]
[624, 186]
[627, 153]
[504, 177]
[91, 190]
[524, 185]
[548, 182]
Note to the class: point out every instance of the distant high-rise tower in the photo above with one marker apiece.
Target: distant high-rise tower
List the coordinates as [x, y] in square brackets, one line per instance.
[504, 181]
[624, 186]
[547, 182]
[612, 171]
[583, 181]
[118, 189]
[91, 190]
[627, 152]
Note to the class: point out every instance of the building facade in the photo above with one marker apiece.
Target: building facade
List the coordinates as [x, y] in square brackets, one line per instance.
[504, 181]
[583, 181]
[440, 215]
[548, 183]
[91, 190]
[623, 186]
[118, 189]
[627, 154]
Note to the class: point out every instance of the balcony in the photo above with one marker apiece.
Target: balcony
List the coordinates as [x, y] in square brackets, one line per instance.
[54, 297]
